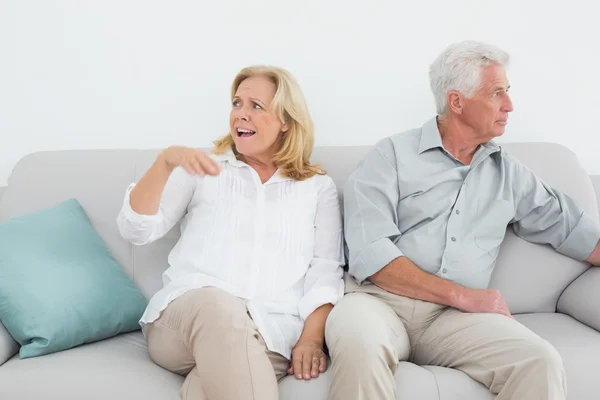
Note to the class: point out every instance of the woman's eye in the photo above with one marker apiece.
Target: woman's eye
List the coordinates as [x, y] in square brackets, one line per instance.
[257, 106]
[236, 103]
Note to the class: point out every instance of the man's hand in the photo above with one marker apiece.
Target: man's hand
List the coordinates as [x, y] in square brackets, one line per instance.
[483, 301]
[308, 359]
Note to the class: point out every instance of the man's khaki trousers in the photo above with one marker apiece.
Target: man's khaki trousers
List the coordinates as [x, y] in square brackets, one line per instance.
[208, 335]
[370, 330]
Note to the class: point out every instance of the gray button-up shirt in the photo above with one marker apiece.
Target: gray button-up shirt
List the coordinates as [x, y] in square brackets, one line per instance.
[410, 197]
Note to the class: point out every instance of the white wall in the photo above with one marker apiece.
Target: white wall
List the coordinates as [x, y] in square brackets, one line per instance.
[145, 74]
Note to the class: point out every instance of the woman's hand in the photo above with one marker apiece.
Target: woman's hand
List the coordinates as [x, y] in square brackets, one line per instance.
[194, 161]
[308, 359]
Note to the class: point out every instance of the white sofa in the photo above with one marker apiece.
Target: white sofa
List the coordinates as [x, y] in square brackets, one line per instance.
[556, 297]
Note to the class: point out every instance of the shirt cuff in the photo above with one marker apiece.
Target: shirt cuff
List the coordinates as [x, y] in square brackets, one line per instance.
[317, 297]
[373, 258]
[131, 215]
[582, 240]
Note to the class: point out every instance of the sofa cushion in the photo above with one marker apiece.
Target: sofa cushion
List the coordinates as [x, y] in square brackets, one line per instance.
[59, 285]
[581, 300]
[412, 382]
[118, 369]
[579, 347]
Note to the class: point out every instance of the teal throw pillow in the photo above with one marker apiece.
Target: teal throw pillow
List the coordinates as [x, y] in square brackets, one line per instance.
[59, 285]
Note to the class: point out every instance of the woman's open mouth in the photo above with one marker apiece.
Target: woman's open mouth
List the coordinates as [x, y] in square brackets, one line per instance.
[244, 133]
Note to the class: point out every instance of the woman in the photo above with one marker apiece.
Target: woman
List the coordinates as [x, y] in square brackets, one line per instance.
[258, 266]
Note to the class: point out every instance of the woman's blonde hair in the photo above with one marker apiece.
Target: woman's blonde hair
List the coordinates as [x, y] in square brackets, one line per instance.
[289, 105]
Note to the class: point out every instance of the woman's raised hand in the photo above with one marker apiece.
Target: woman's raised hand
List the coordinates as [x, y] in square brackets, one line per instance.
[194, 161]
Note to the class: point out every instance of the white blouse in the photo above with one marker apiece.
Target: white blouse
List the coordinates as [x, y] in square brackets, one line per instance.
[277, 245]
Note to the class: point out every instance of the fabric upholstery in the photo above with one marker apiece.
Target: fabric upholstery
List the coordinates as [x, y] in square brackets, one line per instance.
[66, 292]
[531, 277]
[8, 346]
[581, 300]
[579, 347]
[100, 191]
[118, 368]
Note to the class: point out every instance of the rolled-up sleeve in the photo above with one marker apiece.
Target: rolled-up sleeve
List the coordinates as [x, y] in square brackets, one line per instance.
[371, 197]
[546, 215]
[141, 229]
[323, 282]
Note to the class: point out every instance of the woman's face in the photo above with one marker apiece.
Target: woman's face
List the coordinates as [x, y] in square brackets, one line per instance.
[254, 127]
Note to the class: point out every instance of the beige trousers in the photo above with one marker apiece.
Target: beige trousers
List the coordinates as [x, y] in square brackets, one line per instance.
[208, 335]
[370, 330]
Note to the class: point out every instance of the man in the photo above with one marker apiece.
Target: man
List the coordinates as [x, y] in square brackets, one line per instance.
[425, 214]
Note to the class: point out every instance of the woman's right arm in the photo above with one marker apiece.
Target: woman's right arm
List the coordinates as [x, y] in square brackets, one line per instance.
[153, 205]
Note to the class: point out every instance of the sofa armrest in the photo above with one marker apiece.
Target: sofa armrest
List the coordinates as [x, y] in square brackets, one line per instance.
[8, 346]
[581, 299]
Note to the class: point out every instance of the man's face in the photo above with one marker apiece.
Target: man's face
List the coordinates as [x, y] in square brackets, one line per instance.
[487, 111]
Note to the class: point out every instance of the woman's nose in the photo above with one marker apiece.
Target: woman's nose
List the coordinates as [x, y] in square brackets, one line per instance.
[242, 114]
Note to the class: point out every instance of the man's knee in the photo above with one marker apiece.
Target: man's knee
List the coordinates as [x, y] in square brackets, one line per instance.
[546, 357]
[358, 327]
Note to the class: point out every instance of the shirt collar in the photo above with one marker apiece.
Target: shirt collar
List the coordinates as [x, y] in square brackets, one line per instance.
[229, 156]
[431, 138]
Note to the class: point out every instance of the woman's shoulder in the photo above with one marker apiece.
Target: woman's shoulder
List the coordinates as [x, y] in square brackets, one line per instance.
[322, 181]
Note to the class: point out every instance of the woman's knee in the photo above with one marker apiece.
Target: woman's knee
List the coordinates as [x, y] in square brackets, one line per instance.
[167, 349]
[210, 305]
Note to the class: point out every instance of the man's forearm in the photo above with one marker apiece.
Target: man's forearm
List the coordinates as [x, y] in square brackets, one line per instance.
[594, 258]
[404, 278]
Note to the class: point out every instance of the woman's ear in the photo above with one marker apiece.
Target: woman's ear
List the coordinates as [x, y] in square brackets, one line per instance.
[285, 128]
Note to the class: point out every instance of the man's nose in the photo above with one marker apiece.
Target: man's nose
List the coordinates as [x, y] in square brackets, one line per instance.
[508, 104]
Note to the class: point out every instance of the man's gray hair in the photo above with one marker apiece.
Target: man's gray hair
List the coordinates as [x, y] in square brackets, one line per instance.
[459, 67]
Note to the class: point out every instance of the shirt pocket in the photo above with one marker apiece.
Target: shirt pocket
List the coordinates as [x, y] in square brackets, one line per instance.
[492, 219]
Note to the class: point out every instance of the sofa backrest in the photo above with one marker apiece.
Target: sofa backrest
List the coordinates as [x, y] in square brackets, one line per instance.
[530, 276]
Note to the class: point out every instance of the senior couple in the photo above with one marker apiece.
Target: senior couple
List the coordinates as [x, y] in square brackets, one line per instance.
[256, 289]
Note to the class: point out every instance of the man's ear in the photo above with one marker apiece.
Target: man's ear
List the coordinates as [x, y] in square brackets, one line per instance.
[455, 102]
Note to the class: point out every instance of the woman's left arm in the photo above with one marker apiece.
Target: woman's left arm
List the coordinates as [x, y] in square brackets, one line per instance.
[323, 285]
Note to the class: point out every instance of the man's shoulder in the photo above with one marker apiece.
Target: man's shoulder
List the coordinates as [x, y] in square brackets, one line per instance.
[398, 144]
[410, 136]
